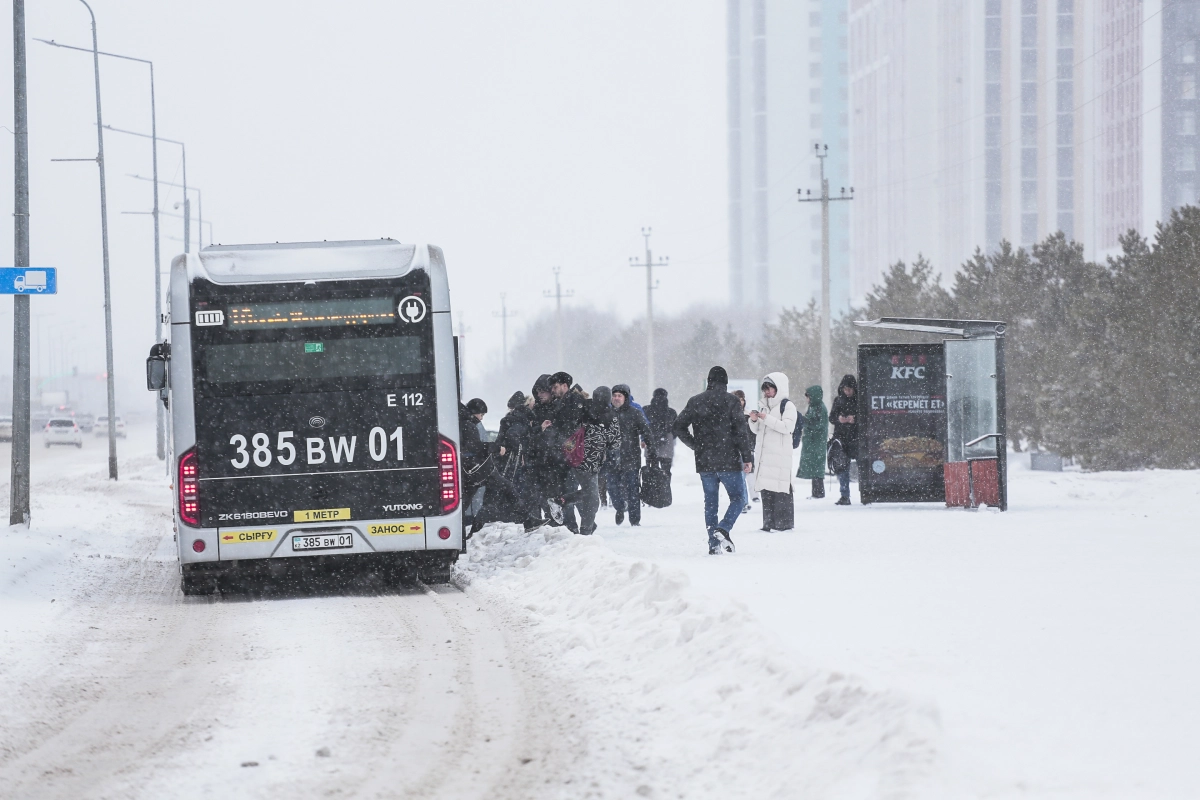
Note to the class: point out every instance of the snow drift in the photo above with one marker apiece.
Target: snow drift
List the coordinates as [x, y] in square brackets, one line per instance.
[696, 701]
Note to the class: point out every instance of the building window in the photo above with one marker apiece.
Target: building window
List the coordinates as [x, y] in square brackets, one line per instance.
[1187, 87]
[1029, 163]
[1066, 195]
[1187, 194]
[1187, 53]
[1187, 123]
[1066, 223]
[1028, 229]
[814, 69]
[1029, 197]
[1187, 160]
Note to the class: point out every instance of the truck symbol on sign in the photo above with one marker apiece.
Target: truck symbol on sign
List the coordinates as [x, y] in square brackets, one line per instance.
[33, 280]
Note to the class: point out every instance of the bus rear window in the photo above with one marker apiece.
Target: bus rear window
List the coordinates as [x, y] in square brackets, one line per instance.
[317, 360]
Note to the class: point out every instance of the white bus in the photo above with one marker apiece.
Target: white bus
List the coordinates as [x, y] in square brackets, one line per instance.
[313, 400]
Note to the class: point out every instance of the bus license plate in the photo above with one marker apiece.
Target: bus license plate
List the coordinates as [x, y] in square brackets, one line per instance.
[332, 541]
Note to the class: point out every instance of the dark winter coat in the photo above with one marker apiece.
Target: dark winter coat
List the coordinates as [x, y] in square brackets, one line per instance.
[514, 432]
[473, 451]
[602, 437]
[662, 424]
[713, 425]
[545, 447]
[634, 430]
[816, 429]
[846, 432]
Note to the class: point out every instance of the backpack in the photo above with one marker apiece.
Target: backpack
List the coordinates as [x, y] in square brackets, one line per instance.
[573, 448]
[836, 458]
[798, 431]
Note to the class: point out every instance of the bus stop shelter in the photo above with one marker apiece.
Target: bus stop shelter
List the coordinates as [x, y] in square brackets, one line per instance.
[931, 415]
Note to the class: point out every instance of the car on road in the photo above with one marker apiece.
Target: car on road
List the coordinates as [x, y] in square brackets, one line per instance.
[62, 430]
[85, 421]
[5, 428]
[101, 427]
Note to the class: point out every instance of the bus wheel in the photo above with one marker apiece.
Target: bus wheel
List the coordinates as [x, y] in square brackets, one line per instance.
[437, 568]
[192, 585]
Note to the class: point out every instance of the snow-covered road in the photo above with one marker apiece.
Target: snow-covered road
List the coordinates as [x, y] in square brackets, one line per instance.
[112, 684]
[874, 652]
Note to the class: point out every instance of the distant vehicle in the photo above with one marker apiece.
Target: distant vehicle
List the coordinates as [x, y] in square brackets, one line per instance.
[85, 421]
[5, 429]
[101, 426]
[34, 280]
[61, 430]
[38, 419]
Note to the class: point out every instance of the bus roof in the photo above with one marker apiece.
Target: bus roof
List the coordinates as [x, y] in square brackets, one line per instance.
[303, 261]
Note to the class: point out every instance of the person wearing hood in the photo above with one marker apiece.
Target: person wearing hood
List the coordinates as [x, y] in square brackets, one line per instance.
[813, 443]
[844, 416]
[772, 424]
[623, 479]
[662, 428]
[713, 426]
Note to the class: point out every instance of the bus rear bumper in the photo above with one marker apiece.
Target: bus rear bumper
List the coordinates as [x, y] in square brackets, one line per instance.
[356, 537]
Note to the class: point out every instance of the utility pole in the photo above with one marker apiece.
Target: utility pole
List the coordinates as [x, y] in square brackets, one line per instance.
[558, 294]
[18, 505]
[651, 285]
[826, 331]
[504, 314]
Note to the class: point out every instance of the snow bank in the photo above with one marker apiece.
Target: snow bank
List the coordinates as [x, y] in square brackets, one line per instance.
[692, 699]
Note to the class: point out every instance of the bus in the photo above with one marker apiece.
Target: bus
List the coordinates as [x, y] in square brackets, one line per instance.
[312, 392]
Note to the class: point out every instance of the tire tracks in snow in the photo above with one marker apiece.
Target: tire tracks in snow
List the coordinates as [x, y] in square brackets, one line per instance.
[132, 690]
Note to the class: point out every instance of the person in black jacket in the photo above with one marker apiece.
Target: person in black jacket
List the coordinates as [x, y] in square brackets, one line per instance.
[544, 461]
[623, 480]
[474, 461]
[712, 424]
[662, 426]
[510, 450]
[844, 416]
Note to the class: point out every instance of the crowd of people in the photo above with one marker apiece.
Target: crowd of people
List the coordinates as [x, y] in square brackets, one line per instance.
[562, 454]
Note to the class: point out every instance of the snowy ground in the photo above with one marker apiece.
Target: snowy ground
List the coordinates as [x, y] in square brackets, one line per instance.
[882, 651]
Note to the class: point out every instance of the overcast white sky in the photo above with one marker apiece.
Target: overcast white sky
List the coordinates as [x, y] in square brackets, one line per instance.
[518, 136]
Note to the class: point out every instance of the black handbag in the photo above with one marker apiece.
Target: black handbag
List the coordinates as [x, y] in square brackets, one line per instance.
[835, 456]
[656, 486]
[478, 474]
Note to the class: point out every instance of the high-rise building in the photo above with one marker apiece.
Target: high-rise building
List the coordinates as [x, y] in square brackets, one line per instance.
[974, 121]
[787, 91]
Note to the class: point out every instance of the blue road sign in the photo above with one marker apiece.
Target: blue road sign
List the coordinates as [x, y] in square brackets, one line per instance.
[28, 280]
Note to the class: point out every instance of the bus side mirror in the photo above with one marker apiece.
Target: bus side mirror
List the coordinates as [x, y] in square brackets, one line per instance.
[156, 367]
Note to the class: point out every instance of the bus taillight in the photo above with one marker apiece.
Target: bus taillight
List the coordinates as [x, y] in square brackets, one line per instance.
[448, 475]
[189, 489]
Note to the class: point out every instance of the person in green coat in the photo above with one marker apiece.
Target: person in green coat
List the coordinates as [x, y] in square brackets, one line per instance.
[812, 446]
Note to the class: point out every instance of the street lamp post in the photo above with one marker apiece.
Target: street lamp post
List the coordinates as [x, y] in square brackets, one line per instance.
[108, 342]
[161, 422]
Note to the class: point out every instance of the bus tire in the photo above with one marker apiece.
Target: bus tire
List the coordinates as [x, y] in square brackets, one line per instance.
[193, 585]
[437, 568]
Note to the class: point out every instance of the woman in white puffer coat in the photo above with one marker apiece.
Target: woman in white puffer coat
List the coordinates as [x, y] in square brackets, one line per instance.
[773, 424]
